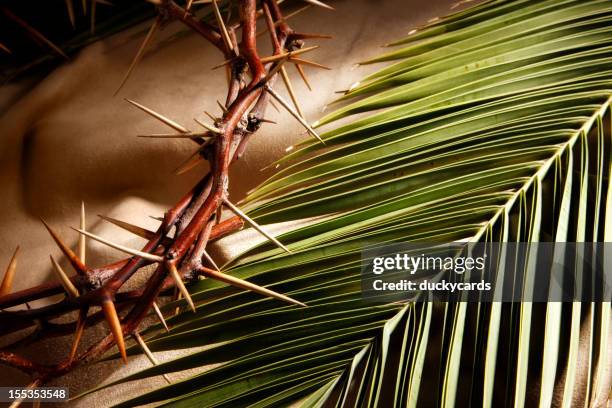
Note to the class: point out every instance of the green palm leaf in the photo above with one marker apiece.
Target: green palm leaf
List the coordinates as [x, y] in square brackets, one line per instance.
[493, 125]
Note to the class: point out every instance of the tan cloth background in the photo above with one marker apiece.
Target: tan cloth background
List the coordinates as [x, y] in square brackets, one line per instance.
[68, 139]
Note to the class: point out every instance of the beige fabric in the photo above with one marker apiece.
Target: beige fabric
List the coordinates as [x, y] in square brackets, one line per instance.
[69, 139]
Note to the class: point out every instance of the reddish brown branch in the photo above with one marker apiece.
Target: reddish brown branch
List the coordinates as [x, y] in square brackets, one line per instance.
[193, 217]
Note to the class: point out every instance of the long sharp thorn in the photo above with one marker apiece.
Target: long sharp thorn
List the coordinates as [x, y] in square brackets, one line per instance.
[285, 105]
[82, 239]
[139, 53]
[289, 86]
[212, 261]
[75, 261]
[274, 106]
[34, 33]
[264, 120]
[188, 6]
[5, 48]
[78, 333]
[224, 33]
[208, 127]
[319, 4]
[134, 229]
[175, 136]
[243, 284]
[177, 296]
[219, 215]
[180, 285]
[31, 386]
[289, 54]
[300, 61]
[189, 164]
[130, 251]
[147, 352]
[210, 116]
[70, 9]
[310, 36]
[159, 117]
[160, 316]
[223, 108]
[253, 224]
[64, 279]
[300, 71]
[285, 18]
[275, 69]
[9, 275]
[110, 313]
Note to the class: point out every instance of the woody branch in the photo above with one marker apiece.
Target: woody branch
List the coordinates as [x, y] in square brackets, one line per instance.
[195, 218]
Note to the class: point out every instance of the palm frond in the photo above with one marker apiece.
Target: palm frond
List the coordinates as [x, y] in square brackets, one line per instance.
[492, 126]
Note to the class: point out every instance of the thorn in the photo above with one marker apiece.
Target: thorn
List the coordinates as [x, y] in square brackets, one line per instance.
[82, 239]
[288, 54]
[208, 127]
[210, 116]
[34, 33]
[319, 4]
[139, 53]
[275, 69]
[78, 333]
[310, 36]
[188, 6]
[253, 224]
[69, 287]
[189, 164]
[264, 120]
[160, 316]
[212, 261]
[33, 385]
[134, 229]
[75, 261]
[130, 251]
[289, 87]
[156, 218]
[274, 106]
[180, 285]
[159, 117]
[5, 48]
[224, 34]
[300, 61]
[110, 313]
[285, 18]
[148, 353]
[70, 9]
[9, 275]
[223, 108]
[175, 136]
[294, 113]
[177, 296]
[218, 215]
[300, 71]
[243, 284]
